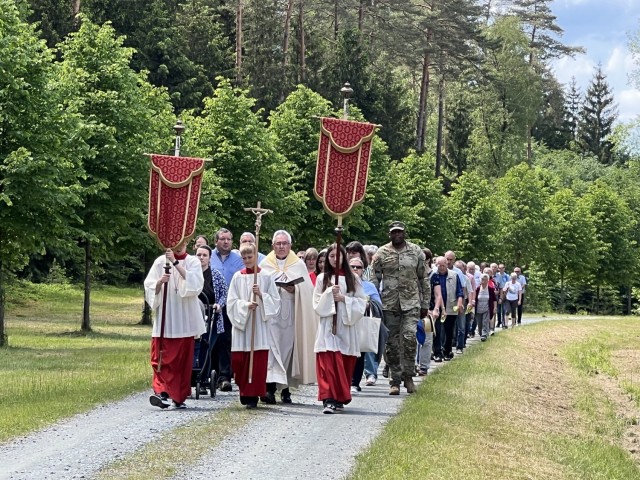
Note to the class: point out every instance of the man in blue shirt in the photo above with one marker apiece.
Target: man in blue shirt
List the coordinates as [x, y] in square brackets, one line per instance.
[228, 263]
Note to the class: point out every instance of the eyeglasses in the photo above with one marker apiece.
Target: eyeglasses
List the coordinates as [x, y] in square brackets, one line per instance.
[281, 244]
[356, 267]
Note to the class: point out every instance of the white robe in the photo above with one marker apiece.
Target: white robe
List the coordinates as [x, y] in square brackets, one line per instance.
[350, 312]
[292, 331]
[184, 317]
[238, 300]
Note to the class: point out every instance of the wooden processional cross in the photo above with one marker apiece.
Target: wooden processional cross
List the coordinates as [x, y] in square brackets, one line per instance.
[259, 212]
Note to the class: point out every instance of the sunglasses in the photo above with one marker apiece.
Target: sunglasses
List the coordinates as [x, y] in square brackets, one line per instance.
[356, 267]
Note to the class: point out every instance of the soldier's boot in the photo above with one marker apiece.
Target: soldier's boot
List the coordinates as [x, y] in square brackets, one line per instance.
[409, 385]
[394, 390]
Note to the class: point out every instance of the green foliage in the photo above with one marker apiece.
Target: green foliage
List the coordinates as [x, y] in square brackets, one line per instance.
[472, 204]
[244, 158]
[524, 231]
[422, 205]
[614, 225]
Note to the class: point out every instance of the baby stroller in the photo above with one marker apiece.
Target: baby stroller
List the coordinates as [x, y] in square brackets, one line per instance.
[203, 376]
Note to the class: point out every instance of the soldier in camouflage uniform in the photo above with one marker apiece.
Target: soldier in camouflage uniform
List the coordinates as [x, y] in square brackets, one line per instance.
[399, 266]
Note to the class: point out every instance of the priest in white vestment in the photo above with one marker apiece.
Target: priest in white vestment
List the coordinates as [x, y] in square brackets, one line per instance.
[293, 330]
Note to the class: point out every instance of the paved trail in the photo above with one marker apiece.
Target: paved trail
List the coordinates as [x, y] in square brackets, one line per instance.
[290, 442]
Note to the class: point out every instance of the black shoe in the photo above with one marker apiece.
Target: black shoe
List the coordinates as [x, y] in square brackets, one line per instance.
[251, 405]
[285, 396]
[269, 398]
[225, 386]
[385, 371]
[159, 400]
[437, 358]
[339, 407]
[179, 406]
[448, 357]
[203, 391]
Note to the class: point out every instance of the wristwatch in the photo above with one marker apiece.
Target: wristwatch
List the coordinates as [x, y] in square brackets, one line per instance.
[176, 263]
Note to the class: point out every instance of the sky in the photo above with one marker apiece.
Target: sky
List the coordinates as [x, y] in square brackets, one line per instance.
[603, 28]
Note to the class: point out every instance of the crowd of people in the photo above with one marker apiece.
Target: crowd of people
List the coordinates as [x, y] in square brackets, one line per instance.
[285, 319]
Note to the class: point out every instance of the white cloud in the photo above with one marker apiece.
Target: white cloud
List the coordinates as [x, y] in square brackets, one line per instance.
[581, 67]
[628, 104]
[620, 60]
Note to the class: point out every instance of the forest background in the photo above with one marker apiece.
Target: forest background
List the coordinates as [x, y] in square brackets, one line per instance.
[481, 149]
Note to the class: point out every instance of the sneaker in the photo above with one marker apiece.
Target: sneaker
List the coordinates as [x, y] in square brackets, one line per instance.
[409, 385]
[225, 386]
[329, 408]
[459, 351]
[269, 398]
[448, 357]
[437, 359]
[422, 373]
[385, 371]
[354, 389]
[339, 407]
[251, 405]
[159, 400]
[179, 406]
[394, 390]
[483, 338]
[371, 380]
[203, 391]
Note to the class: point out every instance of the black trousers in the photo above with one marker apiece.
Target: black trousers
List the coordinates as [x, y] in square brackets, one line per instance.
[445, 334]
[222, 350]
[358, 371]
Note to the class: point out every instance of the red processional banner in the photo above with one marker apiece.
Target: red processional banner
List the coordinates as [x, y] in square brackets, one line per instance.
[343, 164]
[174, 197]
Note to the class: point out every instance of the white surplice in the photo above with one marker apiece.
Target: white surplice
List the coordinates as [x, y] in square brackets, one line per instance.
[184, 316]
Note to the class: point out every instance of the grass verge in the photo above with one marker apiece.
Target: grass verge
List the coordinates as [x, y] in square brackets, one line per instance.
[541, 402]
[51, 370]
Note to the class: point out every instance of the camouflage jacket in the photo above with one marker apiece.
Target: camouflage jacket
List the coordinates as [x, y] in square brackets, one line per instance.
[403, 277]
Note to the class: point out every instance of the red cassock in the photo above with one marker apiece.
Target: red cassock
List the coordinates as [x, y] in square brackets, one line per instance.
[343, 164]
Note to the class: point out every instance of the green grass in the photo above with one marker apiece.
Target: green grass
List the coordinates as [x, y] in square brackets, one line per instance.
[51, 370]
[522, 406]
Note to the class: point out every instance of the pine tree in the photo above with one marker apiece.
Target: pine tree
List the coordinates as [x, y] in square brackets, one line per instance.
[572, 108]
[598, 114]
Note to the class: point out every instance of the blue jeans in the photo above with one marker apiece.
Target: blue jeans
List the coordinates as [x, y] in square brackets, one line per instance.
[501, 314]
[370, 364]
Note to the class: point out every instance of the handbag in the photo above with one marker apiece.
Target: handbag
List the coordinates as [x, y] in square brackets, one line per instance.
[368, 329]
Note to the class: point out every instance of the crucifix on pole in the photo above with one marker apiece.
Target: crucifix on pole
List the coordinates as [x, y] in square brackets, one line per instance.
[259, 212]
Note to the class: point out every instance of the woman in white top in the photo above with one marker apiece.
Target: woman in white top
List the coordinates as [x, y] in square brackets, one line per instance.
[336, 354]
[513, 293]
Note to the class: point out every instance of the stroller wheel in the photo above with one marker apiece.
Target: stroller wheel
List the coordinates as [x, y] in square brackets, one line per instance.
[197, 390]
[214, 383]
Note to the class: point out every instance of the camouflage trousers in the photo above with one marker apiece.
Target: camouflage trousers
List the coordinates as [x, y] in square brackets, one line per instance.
[401, 345]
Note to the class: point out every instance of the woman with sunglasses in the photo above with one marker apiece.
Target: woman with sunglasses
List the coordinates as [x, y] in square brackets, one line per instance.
[336, 354]
[368, 361]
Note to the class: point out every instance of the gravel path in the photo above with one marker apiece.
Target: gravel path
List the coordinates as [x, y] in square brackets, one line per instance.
[288, 442]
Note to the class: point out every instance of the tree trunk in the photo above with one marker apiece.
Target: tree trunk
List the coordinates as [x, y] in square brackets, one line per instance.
[361, 11]
[422, 104]
[597, 299]
[335, 21]
[3, 334]
[440, 127]
[239, 43]
[629, 291]
[286, 36]
[75, 10]
[562, 293]
[302, 75]
[86, 320]
[146, 309]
